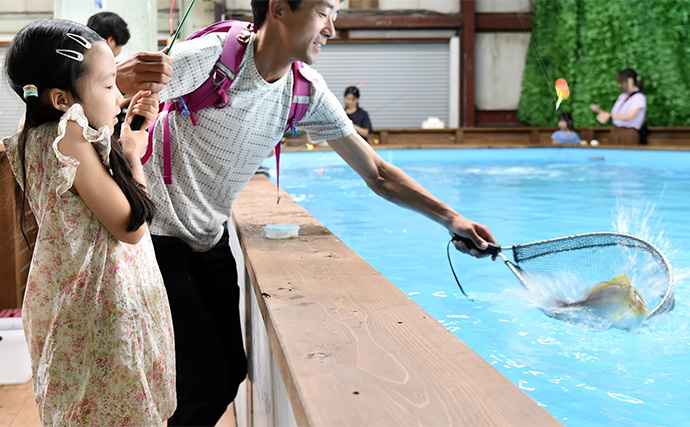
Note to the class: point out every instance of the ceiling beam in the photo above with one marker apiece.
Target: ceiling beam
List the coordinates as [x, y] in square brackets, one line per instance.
[397, 21]
[504, 22]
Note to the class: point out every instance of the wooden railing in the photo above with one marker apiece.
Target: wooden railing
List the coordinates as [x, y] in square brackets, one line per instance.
[664, 138]
[660, 137]
[332, 342]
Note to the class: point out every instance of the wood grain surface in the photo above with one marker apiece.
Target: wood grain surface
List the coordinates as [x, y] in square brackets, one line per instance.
[351, 347]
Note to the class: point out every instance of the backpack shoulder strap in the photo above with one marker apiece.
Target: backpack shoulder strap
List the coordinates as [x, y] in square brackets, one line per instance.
[214, 91]
[300, 96]
[298, 108]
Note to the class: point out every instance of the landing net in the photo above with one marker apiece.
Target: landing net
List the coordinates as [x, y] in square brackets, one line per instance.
[583, 260]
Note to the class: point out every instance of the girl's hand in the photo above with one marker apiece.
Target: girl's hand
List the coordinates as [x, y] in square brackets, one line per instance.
[145, 104]
[134, 143]
[595, 108]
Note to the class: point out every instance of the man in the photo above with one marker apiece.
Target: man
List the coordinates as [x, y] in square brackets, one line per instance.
[212, 163]
[112, 28]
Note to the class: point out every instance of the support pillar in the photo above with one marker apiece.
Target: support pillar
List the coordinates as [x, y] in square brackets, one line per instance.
[468, 43]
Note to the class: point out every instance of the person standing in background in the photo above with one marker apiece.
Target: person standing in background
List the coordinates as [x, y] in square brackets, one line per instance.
[112, 28]
[629, 111]
[359, 117]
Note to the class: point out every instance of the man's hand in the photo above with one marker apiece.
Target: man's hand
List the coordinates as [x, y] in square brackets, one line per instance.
[144, 71]
[478, 233]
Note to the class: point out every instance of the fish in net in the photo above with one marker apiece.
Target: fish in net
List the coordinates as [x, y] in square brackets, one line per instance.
[616, 279]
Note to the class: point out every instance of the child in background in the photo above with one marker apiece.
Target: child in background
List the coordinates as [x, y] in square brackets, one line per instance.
[96, 314]
[566, 131]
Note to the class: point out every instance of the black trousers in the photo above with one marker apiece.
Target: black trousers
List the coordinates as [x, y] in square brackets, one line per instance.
[204, 301]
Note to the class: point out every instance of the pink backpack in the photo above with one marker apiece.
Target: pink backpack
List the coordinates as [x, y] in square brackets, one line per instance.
[214, 91]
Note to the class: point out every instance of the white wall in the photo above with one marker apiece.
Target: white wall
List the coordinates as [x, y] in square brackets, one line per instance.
[498, 6]
[26, 5]
[200, 16]
[11, 106]
[442, 6]
[499, 63]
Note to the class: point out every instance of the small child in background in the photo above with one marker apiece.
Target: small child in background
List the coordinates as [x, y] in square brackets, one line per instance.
[566, 131]
[96, 313]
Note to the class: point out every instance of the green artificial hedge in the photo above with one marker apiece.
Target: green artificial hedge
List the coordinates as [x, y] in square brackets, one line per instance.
[588, 41]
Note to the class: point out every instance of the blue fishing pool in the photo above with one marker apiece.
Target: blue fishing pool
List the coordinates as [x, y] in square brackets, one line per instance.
[583, 375]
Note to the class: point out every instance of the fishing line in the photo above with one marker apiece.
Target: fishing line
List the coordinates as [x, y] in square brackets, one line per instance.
[453, 270]
[540, 59]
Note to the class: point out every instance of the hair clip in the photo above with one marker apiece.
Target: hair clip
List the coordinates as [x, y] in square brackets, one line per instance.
[79, 39]
[30, 90]
[71, 54]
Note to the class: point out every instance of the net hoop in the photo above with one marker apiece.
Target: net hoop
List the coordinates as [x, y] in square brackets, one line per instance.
[618, 239]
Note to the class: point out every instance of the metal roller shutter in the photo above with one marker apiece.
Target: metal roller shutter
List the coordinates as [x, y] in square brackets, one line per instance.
[11, 107]
[403, 83]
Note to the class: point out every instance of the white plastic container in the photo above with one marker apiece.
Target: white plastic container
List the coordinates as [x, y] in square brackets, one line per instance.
[15, 364]
[282, 231]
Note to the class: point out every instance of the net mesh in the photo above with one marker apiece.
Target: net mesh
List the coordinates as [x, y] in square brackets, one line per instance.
[573, 264]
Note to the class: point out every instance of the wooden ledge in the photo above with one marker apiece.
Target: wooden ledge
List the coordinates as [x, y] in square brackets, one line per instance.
[661, 137]
[353, 349]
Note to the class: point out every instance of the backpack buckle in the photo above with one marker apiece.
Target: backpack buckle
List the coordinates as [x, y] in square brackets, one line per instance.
[184, 110]
[244, 35]
[224, 72]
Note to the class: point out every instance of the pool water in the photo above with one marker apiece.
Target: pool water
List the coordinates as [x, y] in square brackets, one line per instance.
[583, 375]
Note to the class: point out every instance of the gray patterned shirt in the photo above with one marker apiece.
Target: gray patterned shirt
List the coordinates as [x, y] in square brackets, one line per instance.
[212, 162]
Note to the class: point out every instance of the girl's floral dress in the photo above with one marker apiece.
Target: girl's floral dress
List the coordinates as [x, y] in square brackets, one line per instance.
[96, 315]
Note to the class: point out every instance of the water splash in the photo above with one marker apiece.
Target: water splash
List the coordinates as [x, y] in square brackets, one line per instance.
[571, 294]
[641, 219]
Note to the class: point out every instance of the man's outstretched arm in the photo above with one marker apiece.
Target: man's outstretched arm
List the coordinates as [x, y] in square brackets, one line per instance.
[391, 183]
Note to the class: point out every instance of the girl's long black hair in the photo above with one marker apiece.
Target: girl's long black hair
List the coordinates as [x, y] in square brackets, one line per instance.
[32, 60]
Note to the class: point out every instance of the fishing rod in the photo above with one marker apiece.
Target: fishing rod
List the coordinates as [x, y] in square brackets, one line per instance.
[138, 120]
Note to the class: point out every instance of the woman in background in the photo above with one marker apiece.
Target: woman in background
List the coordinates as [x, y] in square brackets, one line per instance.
[628, 113]
[359, 117]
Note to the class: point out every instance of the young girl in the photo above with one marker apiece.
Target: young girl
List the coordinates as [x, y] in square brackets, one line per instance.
[96, 314]
[566, 131]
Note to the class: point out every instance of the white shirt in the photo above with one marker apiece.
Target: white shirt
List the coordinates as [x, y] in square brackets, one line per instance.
[212, 162]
